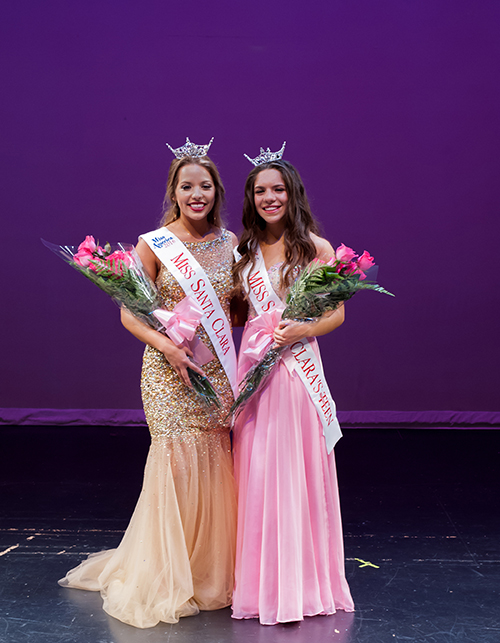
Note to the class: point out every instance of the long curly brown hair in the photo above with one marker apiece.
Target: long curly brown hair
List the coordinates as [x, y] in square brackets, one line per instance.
[299, 223]
[171, 210]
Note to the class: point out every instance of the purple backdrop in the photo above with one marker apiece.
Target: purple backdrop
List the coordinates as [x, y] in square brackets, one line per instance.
[390, 112]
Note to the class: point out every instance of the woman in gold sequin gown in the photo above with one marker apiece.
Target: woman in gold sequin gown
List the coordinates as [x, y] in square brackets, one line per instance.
[177, 555]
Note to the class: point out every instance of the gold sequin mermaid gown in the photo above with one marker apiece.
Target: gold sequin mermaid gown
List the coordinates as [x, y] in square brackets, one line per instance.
[177, 555]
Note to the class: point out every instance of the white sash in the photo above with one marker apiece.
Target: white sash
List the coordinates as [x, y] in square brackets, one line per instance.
[194, 282]
[300, 356]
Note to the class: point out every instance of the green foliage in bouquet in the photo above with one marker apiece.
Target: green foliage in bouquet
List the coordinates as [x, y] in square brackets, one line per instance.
[118, 271]
[321, 288]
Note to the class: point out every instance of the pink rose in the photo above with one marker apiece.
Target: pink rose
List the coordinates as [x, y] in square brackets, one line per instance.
[89, 244]
[121, 256]
[345, 254]
[83, 257]
[365, 261]
[85, 252]
[118, 260]
[350, 268]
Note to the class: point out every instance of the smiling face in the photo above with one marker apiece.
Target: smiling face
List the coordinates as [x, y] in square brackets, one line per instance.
[195, 192]
[270, 196]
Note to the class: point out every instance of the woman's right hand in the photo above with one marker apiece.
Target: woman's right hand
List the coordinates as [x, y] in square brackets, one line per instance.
[178, 358]
[176, 355]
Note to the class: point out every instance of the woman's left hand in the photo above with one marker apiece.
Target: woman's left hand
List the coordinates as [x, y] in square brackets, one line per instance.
[288, 332]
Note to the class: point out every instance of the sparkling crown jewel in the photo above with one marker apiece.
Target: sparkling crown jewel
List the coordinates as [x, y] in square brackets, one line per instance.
[266, 156]
[190, 149]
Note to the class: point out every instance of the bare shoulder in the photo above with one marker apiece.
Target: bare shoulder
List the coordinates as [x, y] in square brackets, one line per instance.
[324, 249]
[143, 249]
[148, 258]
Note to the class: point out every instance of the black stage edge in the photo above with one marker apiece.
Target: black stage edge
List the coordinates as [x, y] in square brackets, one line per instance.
[420, 506]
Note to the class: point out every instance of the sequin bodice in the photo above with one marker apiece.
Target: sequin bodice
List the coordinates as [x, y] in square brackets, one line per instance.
[216, 259]
[172, 408]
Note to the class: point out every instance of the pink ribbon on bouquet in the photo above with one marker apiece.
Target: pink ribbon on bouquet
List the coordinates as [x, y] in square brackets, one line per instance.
[262, 328]
[181, 324]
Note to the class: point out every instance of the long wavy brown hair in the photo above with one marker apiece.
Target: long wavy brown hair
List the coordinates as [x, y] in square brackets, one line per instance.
[171, 211]
[299, 223]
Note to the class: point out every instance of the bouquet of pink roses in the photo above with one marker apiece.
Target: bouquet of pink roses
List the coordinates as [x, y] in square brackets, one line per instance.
[118, 271]
[320, 287]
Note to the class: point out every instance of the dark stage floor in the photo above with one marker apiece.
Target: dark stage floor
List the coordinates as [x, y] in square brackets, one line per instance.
[421, 506]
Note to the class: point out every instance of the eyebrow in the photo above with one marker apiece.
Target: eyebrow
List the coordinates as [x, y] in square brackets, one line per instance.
[276, 185]
[187, 182]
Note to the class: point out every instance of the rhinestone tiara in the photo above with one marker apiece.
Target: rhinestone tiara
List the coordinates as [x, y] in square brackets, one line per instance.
[266, 156]
[190, 149]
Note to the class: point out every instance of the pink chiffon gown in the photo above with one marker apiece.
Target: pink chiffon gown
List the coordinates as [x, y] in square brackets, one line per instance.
[289, 551]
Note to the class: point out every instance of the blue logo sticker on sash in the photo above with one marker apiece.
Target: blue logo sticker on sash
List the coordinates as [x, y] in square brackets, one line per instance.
[163, 241]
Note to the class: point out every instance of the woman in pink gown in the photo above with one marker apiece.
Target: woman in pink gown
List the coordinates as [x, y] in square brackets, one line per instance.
[289, 553]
